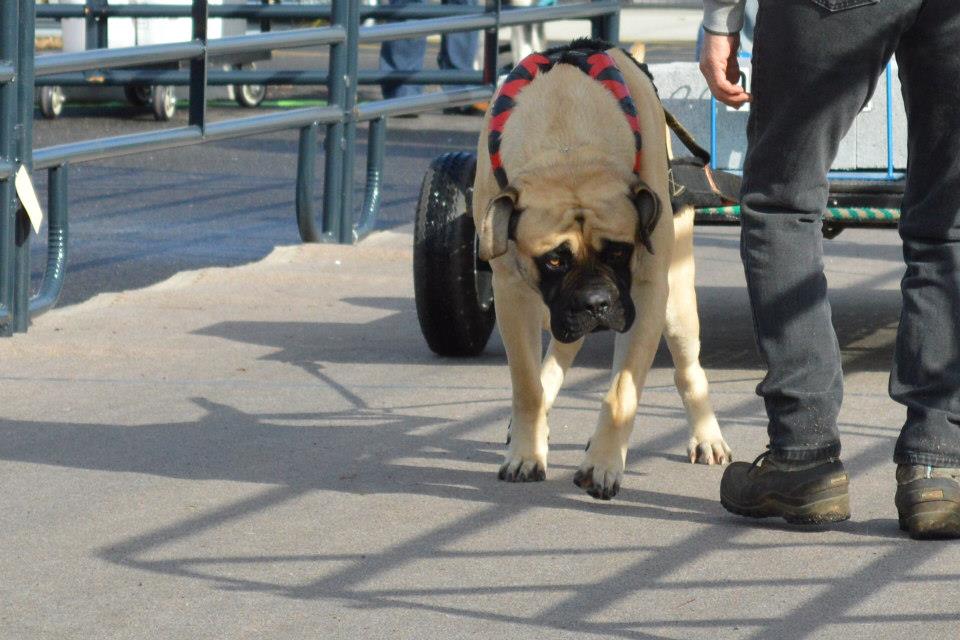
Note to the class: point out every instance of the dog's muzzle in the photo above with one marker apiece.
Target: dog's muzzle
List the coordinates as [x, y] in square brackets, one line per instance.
[590, 309]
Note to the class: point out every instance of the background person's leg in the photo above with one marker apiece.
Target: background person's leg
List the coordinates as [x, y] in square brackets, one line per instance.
[813, 71]
[458, 50]
[926, 370]
[402, 55]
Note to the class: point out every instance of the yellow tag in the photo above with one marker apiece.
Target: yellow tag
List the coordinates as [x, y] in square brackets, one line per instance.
[28, 198]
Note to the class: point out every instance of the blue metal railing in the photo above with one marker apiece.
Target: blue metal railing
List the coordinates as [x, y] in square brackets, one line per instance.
[20, 73]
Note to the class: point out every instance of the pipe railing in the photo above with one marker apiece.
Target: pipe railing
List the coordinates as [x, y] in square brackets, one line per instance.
[20, 72]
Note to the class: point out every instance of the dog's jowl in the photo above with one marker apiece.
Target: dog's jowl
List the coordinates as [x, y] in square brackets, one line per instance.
[571, 205]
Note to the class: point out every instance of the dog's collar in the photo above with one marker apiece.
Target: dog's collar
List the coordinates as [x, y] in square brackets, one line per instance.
[596, 64]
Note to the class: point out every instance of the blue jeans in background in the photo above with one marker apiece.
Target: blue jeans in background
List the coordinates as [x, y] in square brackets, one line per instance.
[457, 51]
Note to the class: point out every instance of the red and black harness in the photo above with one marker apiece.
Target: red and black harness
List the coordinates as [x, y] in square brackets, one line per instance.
[596, 64]
[691, 180]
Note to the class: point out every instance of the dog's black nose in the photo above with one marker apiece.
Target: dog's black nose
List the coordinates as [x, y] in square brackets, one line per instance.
[596, 302]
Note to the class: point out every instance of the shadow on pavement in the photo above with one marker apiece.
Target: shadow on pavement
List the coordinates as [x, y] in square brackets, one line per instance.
[865, 320]
[334, 452]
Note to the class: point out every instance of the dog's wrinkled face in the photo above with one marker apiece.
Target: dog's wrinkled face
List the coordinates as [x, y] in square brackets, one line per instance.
[588, 291]
[577, 238]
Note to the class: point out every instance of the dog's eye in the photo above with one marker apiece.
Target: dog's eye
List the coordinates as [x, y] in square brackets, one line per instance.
[617, 253]
[554, 262]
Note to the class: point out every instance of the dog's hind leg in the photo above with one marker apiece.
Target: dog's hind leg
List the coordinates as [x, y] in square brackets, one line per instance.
[519, 310]
[559, 358]
[706, 444]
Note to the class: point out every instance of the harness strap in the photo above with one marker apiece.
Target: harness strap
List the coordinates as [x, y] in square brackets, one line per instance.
[596, 64]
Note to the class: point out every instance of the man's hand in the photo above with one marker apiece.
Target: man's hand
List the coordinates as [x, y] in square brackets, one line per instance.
[718, 64]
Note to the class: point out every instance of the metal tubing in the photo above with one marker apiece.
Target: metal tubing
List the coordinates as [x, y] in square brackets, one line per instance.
[477, 22]
[116, 146]
[345, 235]
[150, 77]
[276, 40]
[198, 67]
[57, 236]
[593, 9]
[418, 104]
[491, 45]
[606, 27]
[271, 122]
[8, 120]
[265, 25]
[306, 178]
[120, 57]
[285, 13]
[24, 147]
[376, 142]
[334, 140]
[421, 28]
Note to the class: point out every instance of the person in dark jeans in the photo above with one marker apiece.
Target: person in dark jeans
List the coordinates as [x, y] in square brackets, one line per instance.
[815, 65]
[457, 51]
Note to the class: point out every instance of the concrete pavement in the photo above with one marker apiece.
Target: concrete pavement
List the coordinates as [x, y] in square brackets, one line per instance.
[270, 450]
[213, 438]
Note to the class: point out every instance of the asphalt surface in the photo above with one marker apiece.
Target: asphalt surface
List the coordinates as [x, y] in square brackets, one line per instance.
[259, 444]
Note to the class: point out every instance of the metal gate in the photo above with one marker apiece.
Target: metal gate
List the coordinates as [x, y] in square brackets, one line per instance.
[20, 72]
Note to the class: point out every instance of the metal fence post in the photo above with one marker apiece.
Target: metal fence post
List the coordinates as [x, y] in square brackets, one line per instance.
[606, 27]
[265, 22]
[8, 120]
[346, 232]
[198, 67]
[334, 142]
[96, 32]
[24, 157]
[491, 45]
[58, 232]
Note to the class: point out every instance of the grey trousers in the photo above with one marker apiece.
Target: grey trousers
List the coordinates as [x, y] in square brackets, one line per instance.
[815, 65]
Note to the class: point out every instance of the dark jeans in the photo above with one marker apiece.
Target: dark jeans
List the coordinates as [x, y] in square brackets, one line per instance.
[457, 51]
[813, 70]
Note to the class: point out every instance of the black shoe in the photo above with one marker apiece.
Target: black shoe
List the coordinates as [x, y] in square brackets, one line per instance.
[799, 492]
[928, 501]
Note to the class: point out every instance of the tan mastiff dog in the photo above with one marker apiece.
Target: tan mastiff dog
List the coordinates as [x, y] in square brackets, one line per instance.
[577, 225]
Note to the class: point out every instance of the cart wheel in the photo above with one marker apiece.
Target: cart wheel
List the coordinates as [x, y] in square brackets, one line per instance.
[452, 287]
[51, 102]
[249, 95]
[138, 96]
[164, 103]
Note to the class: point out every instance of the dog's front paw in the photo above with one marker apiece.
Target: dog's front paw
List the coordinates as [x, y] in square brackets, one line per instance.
[520, 468]
[710, 449]
[600, 479]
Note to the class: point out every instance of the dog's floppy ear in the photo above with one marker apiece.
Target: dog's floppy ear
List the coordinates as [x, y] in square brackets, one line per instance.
[498, 224]
[647, 204]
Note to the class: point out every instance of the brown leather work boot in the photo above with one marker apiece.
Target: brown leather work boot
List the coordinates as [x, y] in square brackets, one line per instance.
[928, 501]
[799, 492]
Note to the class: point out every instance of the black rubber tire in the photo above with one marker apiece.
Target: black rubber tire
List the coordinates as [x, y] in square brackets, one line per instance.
[138, 95]
[249, 95]
[453, 289]
[51, 102]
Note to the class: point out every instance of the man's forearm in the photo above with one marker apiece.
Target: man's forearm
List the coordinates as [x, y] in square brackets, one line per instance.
[723, 16]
